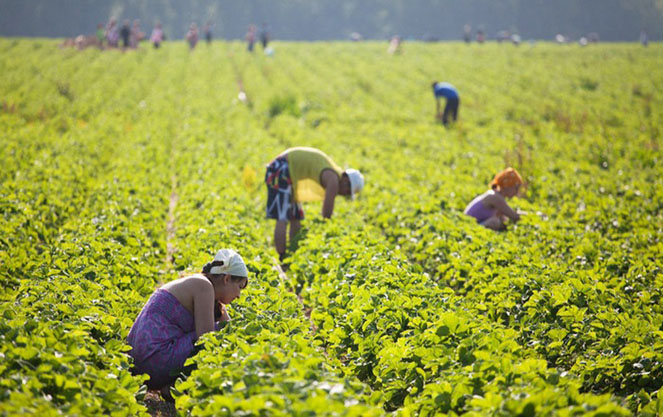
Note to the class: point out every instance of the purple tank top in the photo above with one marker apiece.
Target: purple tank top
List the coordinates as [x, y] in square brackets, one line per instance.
[478, 210]
[162, 338]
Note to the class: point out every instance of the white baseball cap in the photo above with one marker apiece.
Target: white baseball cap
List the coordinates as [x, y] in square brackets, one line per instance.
[233, 264]
[356, 181]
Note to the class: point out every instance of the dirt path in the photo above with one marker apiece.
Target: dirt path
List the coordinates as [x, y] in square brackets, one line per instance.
[305, 309]
[170, 225]
[242, 96]
[157, 407]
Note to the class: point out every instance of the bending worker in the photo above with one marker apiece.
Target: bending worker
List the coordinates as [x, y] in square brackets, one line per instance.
[450, 93]
[304, 174]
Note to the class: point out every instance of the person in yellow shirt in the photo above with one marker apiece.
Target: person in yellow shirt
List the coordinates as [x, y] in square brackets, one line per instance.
[304, 174]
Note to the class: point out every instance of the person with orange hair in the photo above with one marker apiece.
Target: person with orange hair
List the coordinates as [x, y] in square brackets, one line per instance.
[490, 208]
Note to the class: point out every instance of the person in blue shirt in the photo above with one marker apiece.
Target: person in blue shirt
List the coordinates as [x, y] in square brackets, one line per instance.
[450, 93]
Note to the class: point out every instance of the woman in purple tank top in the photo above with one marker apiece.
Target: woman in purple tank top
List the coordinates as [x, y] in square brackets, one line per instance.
[165, 331]
[490, 208]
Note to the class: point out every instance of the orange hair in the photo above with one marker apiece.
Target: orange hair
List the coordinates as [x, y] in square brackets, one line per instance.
[507, 178]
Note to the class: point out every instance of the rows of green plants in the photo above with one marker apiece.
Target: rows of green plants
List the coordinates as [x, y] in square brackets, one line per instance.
[125, 170]
[264, 361]
[74, 218]
[602, 328]
[579, 278]
[418, 343]
[105, 249]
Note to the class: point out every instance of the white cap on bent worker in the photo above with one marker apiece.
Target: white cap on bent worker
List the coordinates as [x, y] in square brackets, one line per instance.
[233, 264]
[356, 181]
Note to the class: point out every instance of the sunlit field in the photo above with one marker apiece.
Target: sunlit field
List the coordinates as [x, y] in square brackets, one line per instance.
[121, 171]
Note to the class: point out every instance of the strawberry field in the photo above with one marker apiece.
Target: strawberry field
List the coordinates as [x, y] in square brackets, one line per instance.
[122, 171]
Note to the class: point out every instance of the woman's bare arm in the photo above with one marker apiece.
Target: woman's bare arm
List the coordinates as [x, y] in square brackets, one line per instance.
[499, 203]
[203, 306]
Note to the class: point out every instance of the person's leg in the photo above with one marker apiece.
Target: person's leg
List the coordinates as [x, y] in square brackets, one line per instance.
[455, 109]
[493, 223]
[279, 236]
[278, 196]
[447, 110]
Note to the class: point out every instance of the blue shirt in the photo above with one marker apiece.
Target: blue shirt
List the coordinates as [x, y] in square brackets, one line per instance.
[445, 90]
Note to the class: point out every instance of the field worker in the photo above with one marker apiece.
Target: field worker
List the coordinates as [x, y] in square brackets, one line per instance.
[157, 36]
[207, 29]
[264, 35]
[125, 33]
[112, 34]
[163, 335]
[490, 208]
[250, 38]
[450, 93]
[394, 45]
[136, 34]
[304, 174]
[192, 36]
[100, 34]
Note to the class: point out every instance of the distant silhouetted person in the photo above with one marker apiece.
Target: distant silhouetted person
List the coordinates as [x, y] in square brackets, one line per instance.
[250, 38]
[394, 45]
[481, 37]
[100, 34]
[450, 93]
[192, 36]
[207, 31]
[264, 35]
[356, 37]
[644, 39]
[157, 36]
[467, 33]
[503, 35]
[136, 34]
[125, 33]
[112, 33]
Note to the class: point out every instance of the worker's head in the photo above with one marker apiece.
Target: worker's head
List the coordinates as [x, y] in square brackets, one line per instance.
[507, 182]
[228, 274]
[352, 182]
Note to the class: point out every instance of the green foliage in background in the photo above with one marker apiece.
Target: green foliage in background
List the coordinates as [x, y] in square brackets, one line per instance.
[121, 171]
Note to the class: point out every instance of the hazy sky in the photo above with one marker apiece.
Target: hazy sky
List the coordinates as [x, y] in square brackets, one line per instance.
[336, 19]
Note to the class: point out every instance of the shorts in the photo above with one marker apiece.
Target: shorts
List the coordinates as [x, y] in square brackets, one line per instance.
[280, 201]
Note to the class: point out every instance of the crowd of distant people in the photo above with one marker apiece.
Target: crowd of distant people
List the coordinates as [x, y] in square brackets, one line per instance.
[128, 36]
[516, 39]
[252, 36]
[112, 34]
[115, 36]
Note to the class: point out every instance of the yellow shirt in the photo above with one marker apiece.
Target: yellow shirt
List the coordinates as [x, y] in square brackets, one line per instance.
[306, 166]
